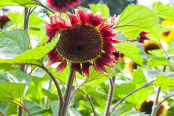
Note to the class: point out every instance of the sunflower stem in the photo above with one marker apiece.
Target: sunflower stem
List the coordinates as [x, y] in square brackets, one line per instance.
[69, 86]
[110, 95]
[121, 100]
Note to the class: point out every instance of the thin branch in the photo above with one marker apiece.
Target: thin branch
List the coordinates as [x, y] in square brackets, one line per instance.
[1, 30]
[26, 109]
[57, 86]
[89, 99]
[20, 112]
[121, 100]
[2, 113]
[74, 92]
[69, 86]
[44, 6]
[159, 104]
[154, 108]
[110, 95]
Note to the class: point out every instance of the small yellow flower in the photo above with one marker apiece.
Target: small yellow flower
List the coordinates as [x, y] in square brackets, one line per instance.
[167, 36]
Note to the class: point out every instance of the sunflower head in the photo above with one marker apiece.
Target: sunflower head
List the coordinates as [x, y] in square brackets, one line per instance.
[85, 40]
[62, 5]
[151, 45]
[167, 36]
[3, 19]
[147, 107]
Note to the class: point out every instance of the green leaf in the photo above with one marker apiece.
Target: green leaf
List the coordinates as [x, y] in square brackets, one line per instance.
[135, 19]
[74, 112]
[12, 92]
[35, 108]
[122, 109]
[55, 107]
[163, 11]
[33, 56]
[42, 37]
[136, 113]
[17, 19]
[131, 51]
[4, 107]
[156, 32]
[13, 43]
[24, 3]
[158, 61]
[164, 82]
[8, 67]
[138, 81]
[100, 8]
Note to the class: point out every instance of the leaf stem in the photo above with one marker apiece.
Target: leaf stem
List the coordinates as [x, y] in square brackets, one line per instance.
[61, 102]
[69, 86]
[89, 99]
[121, 100]
[44, 6]
[110, 95]
[154, 108]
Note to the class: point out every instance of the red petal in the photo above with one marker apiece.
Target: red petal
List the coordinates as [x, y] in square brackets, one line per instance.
[77, 67]
[82, 15]
[107, 58]
[113, 19]
[61, 66]
[122, 56]
[85, 68]
[72, 18]
[108, 47]
[143, 33]
[99, 67]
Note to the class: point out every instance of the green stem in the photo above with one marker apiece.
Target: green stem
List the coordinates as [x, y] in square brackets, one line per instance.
[69, 86]
[48, 100]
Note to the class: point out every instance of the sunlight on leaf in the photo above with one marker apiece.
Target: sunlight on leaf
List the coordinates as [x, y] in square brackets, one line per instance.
[136, 113]
[131, 51]
[158, 61]
[100, 8]
[156, 31]
[135, 19]
[163, 11]
[24, 3]
[33, 56]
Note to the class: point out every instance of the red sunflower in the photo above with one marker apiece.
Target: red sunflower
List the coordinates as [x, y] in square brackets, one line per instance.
[62, 5]
[85, 40]
[142, 37]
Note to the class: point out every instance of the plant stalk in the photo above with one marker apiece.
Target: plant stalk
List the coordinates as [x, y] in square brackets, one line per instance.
[110, 95]
[89, 99]
[69, 86]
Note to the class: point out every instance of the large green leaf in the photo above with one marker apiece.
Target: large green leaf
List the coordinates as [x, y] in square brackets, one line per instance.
[12, 92]
[131, 51]
[164, 11]
[135, 19]
[156, 32]
[24, 3]
[17, 19]
[13, 43]
[74, 112]
[100, 8]
[33, 56]
[158, 61]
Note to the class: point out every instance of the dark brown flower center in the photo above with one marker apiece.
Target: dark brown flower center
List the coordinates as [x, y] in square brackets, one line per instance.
[166, 33]
[151, 47]
[79, 44]
[147, 108]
